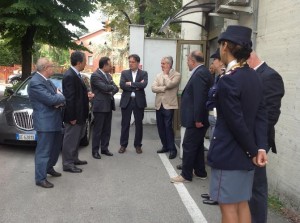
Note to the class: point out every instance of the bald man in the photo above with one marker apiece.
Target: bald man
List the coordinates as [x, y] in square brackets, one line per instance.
[273, 90]
[194, 117]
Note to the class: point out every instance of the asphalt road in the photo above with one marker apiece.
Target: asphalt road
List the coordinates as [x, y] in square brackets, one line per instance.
[125, 188]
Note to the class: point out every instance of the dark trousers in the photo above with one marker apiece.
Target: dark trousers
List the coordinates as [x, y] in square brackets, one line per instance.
[101, 131]
[125, 124]
[193, 153]
[259, 201]
[46, 153]
[164, 120]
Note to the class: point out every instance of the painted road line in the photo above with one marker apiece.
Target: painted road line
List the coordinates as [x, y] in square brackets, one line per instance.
[185, 196]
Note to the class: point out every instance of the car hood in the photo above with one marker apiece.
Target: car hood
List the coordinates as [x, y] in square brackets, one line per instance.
[16, 103]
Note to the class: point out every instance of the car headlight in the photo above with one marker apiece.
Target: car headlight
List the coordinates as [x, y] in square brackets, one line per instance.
[1, 110]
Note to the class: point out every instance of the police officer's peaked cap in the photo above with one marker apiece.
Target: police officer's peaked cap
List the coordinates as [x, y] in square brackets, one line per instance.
[240, 35]
[216, 54]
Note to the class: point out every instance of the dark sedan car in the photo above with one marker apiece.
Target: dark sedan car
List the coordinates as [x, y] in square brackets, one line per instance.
[16, 125]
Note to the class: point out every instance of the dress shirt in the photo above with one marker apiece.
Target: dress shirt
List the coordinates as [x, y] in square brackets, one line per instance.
[76, 71]
[255, 68]
[133, 80]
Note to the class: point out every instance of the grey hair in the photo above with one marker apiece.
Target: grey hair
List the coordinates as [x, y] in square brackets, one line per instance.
[169, 60]
[41, 64]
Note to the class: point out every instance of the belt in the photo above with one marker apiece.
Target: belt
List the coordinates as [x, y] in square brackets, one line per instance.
[132, 96]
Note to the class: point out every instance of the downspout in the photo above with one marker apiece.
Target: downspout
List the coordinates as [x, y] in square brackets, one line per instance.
[255, 22]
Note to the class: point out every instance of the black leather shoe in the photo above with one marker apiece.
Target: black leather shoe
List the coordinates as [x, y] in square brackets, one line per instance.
[179, 167]
[210, 202]
[173, 155]
[96, 155]
[73, 169]
[80, 162]
[44, 184]
[107, 153]
[162, 150]
[205, 196]
[53, 173]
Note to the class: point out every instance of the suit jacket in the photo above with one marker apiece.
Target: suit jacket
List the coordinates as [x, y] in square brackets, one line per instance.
[241, 127]
[77, 101]
[166, 88]
[194, 97]
[273, 90]
[43, 98]
[104, 90]
[136, 86]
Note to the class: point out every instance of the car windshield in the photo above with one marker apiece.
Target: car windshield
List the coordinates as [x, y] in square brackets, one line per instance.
[22, 90]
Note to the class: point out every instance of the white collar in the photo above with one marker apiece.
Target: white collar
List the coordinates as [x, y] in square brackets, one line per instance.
[76, 71]
[255, 68]
[42, 76]
[230, 65]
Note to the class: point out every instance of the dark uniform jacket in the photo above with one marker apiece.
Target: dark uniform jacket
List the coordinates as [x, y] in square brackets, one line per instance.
[241, 127]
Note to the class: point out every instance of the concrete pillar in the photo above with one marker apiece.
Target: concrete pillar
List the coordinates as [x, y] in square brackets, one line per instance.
[136, 42]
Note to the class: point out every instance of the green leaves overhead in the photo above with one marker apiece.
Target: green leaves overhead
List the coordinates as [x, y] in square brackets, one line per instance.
[25, 22]
[151, 13]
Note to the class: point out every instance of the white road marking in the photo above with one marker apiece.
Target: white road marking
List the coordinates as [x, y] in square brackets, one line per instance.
[186, 198]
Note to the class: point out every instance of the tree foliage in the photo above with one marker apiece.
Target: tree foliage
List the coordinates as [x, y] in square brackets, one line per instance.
[151, 13]
[9, 55]
[26, 22]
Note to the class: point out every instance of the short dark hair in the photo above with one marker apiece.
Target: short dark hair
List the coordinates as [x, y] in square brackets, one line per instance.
[76, 57]
[103, 61]
[135, 57]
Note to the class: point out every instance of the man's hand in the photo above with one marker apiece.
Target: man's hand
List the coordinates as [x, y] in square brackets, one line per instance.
[91, 95]
[58, 91]
[261, 159]
[60, 105]
[198, 125]
[128, 83]
[142, 81]
[73, 122]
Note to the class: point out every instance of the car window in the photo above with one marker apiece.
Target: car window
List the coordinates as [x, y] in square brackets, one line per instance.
[22, 90]
[57, 81]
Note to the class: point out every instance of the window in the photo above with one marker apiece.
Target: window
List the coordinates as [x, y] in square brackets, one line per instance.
[90, 60]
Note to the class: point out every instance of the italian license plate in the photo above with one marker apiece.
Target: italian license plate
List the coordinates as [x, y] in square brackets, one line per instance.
[26, 137]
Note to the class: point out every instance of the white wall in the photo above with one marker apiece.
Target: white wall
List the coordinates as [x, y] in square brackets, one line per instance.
[278, 43]
[150, 51]
[155, 49]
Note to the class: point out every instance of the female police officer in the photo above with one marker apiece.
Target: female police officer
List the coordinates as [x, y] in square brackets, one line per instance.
[240, 135]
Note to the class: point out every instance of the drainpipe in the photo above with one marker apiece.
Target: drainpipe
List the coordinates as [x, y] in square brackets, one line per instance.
[255, 21]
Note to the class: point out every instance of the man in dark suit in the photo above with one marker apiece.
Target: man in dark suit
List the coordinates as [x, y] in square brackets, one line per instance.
[104, 89]
[273, 90]
[76, 112]
[133, 83]
[194, 117]
[46, 101]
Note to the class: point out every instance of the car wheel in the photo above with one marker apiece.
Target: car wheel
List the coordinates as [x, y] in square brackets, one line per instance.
[87, 135]
[15, 81]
